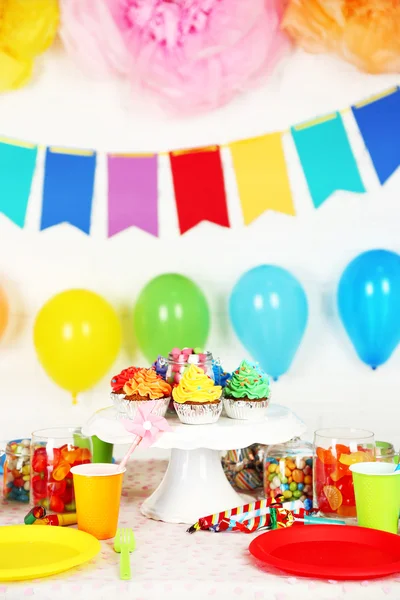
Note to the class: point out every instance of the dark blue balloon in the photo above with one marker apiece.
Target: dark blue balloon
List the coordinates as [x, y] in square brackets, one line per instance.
[269, 312]
[369, 305]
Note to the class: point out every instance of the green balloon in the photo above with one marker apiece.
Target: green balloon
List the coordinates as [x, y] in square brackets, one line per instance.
[171, 312]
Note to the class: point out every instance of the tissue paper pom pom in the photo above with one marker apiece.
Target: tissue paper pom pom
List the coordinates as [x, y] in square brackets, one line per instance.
[27, 28]
[364, 32]
[91, 36]
[197, 54]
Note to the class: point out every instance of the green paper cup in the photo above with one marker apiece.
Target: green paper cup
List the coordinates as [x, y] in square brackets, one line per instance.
[377, 491]
[102, 451]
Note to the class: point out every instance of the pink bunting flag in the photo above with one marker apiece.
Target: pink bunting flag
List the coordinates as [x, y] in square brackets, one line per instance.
[132, 193]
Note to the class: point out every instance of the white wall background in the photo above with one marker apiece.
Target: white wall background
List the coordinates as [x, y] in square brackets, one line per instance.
[327, 384]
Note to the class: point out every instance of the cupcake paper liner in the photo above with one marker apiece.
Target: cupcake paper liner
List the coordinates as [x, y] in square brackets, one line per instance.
[198, 414]
[129, 408]
[246, 410]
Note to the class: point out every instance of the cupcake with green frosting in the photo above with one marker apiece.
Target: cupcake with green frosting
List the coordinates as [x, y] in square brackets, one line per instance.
[247, 393]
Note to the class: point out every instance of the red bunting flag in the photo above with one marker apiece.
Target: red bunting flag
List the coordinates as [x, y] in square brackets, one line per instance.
[199, 187]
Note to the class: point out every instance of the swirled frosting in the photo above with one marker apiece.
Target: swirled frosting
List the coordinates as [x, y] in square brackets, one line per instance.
[196, 386]
[248, 381]
[146, 384]
[220, 376]
[118, 381]
[161, 366]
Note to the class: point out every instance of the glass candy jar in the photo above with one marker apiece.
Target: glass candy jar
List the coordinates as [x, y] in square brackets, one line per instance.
[288, 471]
[53, 453]
[178, 363]
[385, 452]
[335, 450]
[16, 470]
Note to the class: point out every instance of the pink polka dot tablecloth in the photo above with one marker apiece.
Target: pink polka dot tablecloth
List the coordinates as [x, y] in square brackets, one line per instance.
[170, 564]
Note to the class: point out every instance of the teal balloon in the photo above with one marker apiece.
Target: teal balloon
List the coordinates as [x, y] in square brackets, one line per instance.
[369, 305]
[269, 313]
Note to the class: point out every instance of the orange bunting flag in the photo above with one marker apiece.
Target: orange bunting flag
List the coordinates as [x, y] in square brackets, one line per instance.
[261, 176]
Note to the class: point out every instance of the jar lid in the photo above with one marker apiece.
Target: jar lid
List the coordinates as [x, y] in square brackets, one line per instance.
[295, 446]
[175, 358]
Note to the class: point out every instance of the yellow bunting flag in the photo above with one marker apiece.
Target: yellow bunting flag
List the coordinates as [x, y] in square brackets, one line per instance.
[261, 175]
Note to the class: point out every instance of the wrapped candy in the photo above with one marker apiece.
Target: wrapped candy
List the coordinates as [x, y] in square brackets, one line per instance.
[244, 467]
[364, 32]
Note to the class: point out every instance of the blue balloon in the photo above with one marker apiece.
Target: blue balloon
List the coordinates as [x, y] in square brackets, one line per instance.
[269, 312]
[369, 305]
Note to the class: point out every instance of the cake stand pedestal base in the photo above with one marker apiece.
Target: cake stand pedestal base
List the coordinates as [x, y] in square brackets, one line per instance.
[194, 486]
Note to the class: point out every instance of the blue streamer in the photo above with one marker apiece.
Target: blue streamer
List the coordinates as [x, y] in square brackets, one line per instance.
[379, 123]
[68, 189]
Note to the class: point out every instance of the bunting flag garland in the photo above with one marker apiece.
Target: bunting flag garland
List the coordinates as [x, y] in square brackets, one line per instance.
[17, 166]
[199, 187]
[259, 163]
[132, 193]
[68, 188]
[379, 122]
[326, 157]
[261, 176]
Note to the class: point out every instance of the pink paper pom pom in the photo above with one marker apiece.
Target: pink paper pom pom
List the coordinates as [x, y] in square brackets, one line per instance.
[91, 36]
[196, 54]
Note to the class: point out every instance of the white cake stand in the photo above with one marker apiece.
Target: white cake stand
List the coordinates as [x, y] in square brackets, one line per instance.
[194, 484]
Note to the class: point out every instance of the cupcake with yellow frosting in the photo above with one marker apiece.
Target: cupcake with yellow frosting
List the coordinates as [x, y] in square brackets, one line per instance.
[247, 393]
[144, 385]
[197, 400]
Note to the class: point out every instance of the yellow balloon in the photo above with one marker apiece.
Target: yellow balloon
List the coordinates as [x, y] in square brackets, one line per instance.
[77, 337]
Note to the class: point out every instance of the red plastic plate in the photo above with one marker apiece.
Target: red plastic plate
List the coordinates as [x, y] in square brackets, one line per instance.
[329, 551]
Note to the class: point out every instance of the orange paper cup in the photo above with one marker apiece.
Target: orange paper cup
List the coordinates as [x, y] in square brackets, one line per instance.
[97, 495]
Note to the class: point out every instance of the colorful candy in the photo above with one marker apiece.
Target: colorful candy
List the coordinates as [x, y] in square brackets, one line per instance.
[333, 480]
[52, 483]
[179, 360]
[17, 468]
[290, 476]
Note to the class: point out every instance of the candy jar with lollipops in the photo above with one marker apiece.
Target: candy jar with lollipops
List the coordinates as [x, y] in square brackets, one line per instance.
[334, 451]
[53, 453]
[179, 360]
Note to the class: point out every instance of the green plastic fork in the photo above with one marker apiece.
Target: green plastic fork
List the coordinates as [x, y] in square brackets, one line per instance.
[124, 543]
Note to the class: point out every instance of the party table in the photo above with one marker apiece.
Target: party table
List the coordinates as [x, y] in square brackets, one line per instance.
[170, 564]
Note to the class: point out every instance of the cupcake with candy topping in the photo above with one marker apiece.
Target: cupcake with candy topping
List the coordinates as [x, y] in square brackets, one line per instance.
[161, 366]
[143, 386]
[197, 400]
[118, 381]
[247, 393]
[221, 377]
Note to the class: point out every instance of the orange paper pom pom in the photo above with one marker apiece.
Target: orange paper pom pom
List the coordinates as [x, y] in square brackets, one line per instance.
[364, 32]
[27, 28]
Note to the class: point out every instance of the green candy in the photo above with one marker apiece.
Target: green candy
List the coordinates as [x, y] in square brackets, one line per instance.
[296, 494]
[287, 494]
[283, 478]
[271, 476]
[293, 486]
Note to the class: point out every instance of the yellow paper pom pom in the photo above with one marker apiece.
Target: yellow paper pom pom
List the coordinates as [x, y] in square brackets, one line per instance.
[364, 32]
[14, 73]
[27, 28]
